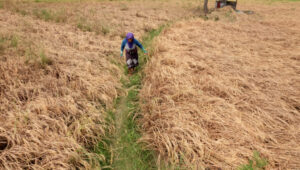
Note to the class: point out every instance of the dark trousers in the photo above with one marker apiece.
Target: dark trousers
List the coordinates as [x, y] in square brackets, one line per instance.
[132, 58]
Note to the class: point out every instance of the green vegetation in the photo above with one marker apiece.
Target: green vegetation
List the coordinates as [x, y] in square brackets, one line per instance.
[92, 158]
[30, 56]
[21, 11]
[104, 146]
[43, 14]
[2, 45]
[105, 30]
[121, 148]
[48, 15]
[132, 155]
[83, 25]
[147, 43]
[229, 16]
[8, 41]
[14, 41]
[45, 60]
[256, 163]
[41, 59]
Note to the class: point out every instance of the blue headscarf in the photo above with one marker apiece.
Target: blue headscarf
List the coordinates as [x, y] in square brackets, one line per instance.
[130, 36]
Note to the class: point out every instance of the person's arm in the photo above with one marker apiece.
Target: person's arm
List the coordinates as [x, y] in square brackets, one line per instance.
[122, 47]
[140, 45]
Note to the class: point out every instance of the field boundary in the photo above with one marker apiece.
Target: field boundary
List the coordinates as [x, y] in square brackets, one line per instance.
[121, 147]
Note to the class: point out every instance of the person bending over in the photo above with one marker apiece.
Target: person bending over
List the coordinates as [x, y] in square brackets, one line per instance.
[130, 45]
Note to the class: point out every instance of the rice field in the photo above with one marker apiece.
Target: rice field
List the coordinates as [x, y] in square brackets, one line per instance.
[214, 89]
[60, 74]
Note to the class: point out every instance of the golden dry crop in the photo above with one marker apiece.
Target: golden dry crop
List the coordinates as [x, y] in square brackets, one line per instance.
[216, 90]
[59, 74]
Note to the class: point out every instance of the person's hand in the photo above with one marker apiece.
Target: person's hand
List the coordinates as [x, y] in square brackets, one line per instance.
[145, 52]
[121, 55]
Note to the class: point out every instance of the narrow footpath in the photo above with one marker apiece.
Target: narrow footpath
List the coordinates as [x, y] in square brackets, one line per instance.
[122, 149]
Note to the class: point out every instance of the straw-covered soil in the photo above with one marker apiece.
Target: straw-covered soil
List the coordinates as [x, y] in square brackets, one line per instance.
[216, 90]
[59, 74]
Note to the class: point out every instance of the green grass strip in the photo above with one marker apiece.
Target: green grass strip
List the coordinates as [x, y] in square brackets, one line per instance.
[122, 149]
[133, 155]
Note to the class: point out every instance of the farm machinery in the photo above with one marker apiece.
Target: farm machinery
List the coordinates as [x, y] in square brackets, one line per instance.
[223, 3]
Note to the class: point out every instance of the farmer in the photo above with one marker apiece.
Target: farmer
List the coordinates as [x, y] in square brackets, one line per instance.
[132, 58]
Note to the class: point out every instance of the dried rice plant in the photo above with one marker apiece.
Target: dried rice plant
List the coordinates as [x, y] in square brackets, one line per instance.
[56, 81]
[214, 92]
[52, 102]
